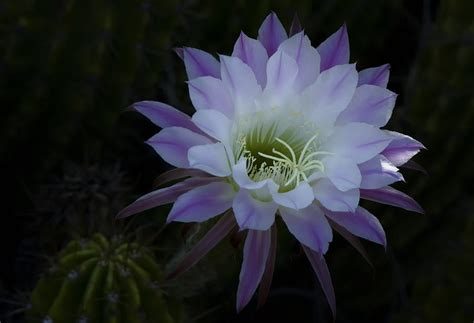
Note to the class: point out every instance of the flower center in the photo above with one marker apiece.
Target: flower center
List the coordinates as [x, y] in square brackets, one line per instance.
[286, 158]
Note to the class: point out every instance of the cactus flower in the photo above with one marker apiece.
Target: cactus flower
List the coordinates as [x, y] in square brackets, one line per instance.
[280, 128]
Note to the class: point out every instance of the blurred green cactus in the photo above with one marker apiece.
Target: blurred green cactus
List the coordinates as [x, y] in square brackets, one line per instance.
[100, 280]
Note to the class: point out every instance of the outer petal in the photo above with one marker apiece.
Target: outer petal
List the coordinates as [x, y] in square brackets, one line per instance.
[375, 75]
[281, 74]
[271, 33]
[202, 203]
[342, 172]
[333, 199]
[214, 123]
[251, 213]
[379, 172]
[306, 57]
[391, 196]
[199, 63]
[173, 143]
[210, 158]
[252, 53]
[371, 104]
[358, 141]
[208, 92]
[402, 148]
[256, 249]
[330, 94]
[335, 49]
[298, 198]
[240, 80]
[164, 115]
[360, 223]
[309, 226]
[162, 196]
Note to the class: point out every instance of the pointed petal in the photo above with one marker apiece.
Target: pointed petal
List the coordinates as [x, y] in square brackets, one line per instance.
[298, 198]
[358, 141]
[269, 267]
[390, 196]
[206, 244]
[370, 104]
[353, 240]
[162, 196]
[271, 33]
[252, 53]
[402, 148]
[333, 199]
[322, 272]
[210, 93]
[306, 57]
[413, 165]
[215, 124]
[240, 80]
[281, 74]
[326, 98]
[256, 250]
[342, 172]
[361, 223]
[175, 174]
[173, 143]
[200, 63]
[252, 213]
[164, 115]
[210, 158]
[379, 172]
[309, 226]
[202, 203]
[295, 25]
[335, 49]
[375, 75]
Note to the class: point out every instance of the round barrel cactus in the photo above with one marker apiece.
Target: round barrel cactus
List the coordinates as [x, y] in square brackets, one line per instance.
[100, 280]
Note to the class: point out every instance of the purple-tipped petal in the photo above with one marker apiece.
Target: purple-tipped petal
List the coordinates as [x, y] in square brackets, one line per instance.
[352, 239]
[269, 268]
[342, 172]
[175, 174]
[413, 165]
[379, 172]
[326, 98]
[173, 143]
[210, 93]
[370, 104]
[298, 198]
[240, 80]
[210, 158]
[361, 223]
[295, 25]
[256, 250]
[306, 57]
[309, 226]
[162, 196]
[281, 74]
[218, 232]
[375, 75]
[179, 51]
[164, 115]
[251, 213]
[200, 63]
[402, 148]
[335, 49]
[202, 203]
[390, 196]
[252, 53]
[271, 33]
[320, 267]
[358, 141]
[333, 199]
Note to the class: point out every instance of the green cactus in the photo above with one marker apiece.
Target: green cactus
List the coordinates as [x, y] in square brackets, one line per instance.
[101, 280]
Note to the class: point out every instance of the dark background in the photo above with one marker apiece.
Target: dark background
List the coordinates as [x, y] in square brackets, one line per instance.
[71, 157]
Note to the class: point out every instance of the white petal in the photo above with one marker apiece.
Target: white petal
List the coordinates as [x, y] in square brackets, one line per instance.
[251, 213]
[342, 172]
[210, 158]
[210, 93]
[214, 123]
[378, 172]
[333, 199]
[298, 198]
[281, 74]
